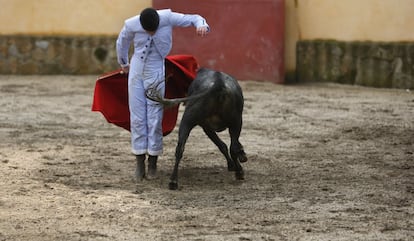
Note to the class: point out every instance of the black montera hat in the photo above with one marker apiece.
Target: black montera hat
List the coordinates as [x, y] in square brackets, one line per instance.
[149, 19]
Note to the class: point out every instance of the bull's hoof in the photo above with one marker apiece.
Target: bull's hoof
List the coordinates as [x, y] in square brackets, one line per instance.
[242, 157]
[239, 175]
[173, 185]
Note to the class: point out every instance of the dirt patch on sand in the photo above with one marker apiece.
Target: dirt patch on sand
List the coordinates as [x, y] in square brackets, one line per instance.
[326, 162]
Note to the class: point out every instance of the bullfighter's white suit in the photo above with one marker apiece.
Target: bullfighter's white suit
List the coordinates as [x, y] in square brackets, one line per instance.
[146, 70]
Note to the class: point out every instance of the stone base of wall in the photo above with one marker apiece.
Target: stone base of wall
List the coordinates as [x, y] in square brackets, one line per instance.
[377, 64]
[57, 54]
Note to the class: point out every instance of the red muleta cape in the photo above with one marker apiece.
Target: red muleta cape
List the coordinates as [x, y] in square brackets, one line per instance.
[111, 92]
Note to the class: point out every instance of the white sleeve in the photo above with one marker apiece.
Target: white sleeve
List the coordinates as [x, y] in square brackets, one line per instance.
[186, 20]
[123, 43]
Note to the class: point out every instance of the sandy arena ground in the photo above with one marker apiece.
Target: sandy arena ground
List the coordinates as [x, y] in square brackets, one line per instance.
[326, 162]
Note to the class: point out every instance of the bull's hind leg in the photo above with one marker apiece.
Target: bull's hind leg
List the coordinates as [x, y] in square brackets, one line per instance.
[236, 149]
[232, 165]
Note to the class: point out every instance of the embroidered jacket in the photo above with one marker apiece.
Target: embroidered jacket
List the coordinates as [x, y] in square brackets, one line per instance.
[162, 39]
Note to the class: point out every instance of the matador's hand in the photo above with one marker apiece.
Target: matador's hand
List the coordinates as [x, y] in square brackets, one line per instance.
[202, 31]
[125, 70]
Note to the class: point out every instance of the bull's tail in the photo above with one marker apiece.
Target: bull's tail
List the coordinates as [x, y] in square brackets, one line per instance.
[154, 95]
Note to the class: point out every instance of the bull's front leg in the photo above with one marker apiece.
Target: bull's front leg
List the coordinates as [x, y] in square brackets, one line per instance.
[183, 134]
[173, 185]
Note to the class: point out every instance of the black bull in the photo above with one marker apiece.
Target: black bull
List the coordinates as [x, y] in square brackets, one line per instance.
[214, 102]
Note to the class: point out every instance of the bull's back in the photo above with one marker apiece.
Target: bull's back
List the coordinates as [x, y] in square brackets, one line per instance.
[215, 80]
[221, 105]
[220, 86]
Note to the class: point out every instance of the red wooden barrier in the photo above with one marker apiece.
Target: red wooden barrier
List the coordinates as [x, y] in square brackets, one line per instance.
[246, 38]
